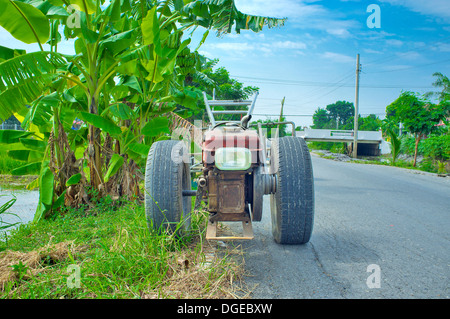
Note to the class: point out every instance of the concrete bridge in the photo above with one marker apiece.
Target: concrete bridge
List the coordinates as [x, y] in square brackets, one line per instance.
[369, 142]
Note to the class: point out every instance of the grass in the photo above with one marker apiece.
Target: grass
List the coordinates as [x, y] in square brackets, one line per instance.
[7, 164]
[428, 164]
[117, 257]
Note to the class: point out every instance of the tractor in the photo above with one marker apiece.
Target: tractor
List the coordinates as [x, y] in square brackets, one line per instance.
[236, 167]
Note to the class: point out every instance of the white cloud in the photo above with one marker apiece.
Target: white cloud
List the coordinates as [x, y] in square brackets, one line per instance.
[441, 47]
[279, 8]
[394, 42]
[268, 48]
[232, 46]
[436, 8]
[288, 45]
[371, 51]
[302, 14]
[410, 55]
[206, 54]
[337, 57]
[395, 67]
[340, 32]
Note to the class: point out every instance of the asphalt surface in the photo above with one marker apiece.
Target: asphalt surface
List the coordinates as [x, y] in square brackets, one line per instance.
[379, 232]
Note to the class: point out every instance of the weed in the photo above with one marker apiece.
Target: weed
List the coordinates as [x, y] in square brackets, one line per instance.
[118, 257]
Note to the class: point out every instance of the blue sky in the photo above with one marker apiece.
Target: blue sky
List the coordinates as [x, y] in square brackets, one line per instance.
[311, 61]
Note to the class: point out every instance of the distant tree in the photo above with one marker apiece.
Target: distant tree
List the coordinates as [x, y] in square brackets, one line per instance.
[226, 87]
[418, 115]
[443, 83]
[320, 119]
[338, 115]
[369, 123]
[342, 114]
[209, 78]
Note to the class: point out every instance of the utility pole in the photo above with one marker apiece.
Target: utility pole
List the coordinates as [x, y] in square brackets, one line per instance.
[355, 129]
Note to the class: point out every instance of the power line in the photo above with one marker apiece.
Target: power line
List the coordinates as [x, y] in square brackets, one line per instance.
[411, 67]
[329, 84]
[287, 82]
[395, 56]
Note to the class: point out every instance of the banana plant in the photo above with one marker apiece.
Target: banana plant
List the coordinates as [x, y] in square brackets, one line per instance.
[127, 72]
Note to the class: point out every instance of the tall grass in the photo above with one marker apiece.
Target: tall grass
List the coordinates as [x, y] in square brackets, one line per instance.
[118, 257]
[7, 164]
[4, 211]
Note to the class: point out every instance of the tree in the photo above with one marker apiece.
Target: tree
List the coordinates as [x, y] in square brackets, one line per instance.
[418, 115]
[338, 115]
[126, 75]
[342, 113]
[320, 119]
[225, 87]
[444, 83]
[208, 79]
[369, 123]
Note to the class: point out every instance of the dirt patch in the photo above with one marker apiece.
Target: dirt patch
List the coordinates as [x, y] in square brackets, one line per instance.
[15, 265]
[209, 275]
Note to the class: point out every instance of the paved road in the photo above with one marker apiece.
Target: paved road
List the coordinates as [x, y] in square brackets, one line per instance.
[365, 215]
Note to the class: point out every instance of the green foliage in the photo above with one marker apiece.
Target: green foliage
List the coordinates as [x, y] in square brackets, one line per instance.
[4, 211]
[118, 256]
[436, 146]
[20, 269]
[271, 129]
[24, 78]
[321, 119]
[129, 69]
[7, 164]
[115, 164]
[35, 28]
[207, 79]
[395, 145]
[340, 115]
[369, 123]
[418, 115]
[442, 82]
[226, 87]
[340, 148]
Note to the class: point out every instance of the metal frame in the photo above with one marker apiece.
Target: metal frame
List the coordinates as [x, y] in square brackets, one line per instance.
[214, 102]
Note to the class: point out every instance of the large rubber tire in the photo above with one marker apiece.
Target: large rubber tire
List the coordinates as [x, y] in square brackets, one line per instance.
[292, 205]
[166, 176]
